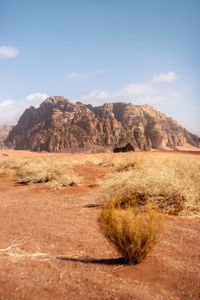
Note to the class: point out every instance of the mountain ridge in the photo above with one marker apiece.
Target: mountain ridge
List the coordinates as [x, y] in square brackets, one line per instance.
[59, 125]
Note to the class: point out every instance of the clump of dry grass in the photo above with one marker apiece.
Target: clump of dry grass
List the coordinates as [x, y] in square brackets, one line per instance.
[170, 184]
[46, 170]
[123, 162]
[7, 165]
[93, 160]
[14, 163]
[131, 225]
[4, 170]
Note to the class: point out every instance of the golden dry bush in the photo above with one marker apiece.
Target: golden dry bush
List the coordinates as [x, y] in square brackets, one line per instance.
[106, 160]
[123, 161]
[110, 161]
[4, 171]
[87, 159]
[171, 184]
[7, 165]
[93, 160]
[118, 162]
[14, 163]
[46, 170]
[131, 225]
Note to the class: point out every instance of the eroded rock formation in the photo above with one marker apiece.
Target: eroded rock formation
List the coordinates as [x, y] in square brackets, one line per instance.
[59, 125]
[4, 131]
[3, 146]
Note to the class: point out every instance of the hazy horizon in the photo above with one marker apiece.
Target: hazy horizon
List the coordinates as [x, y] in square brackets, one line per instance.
[101, 51]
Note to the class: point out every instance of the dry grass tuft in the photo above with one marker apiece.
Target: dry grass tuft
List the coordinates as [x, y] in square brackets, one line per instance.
[170, 184]
[93, 160]
[46, 170]
[121, 162]
[4, 170]
[7, 165]
[131, 225]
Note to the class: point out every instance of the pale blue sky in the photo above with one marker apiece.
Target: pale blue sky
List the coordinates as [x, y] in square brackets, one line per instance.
[144, 51]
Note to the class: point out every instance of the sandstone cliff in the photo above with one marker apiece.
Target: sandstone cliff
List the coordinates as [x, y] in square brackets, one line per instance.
[59, 125]
[2, 146]
[4, 131]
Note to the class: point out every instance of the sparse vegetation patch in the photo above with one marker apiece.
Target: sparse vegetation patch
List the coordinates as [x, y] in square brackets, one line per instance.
[46, 170]
[170, 184]
[7, 165]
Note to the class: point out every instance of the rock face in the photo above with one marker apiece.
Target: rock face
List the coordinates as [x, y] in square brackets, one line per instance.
[60, 126]
[4, 131]
[3, 146]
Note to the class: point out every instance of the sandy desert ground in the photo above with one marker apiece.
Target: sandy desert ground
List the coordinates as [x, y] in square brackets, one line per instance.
[51, 246]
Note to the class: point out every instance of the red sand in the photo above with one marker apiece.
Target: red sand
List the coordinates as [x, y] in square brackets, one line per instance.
[51, 247]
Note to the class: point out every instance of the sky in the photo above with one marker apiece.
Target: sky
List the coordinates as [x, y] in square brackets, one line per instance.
[136, 51]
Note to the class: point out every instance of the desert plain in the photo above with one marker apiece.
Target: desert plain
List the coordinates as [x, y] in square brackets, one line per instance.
[51, 246]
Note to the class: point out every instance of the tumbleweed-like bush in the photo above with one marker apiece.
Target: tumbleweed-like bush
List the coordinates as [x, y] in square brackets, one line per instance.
[131, 225]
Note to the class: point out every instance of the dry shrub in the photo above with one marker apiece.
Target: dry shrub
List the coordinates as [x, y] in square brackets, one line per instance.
[106, 160]
[110, 161]
[131, 225]
[88, 159]
[170, 184]
[120, 162]
[123, 161]
[93, 160]
[4, 171]
[46, 170]
[7, 165]
[126, 166]
[14, 163]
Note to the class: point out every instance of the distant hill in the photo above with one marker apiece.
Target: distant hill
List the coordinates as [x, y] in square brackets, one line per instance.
[59, 125]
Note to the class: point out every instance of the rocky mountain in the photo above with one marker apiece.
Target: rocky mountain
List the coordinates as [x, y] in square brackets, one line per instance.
[3, 146]
[59, 125]
[4, 131]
